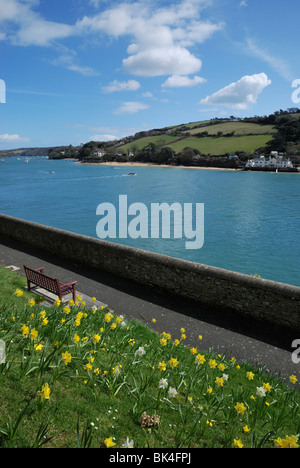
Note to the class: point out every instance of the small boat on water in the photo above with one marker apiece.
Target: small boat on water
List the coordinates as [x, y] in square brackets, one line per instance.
[132, 173]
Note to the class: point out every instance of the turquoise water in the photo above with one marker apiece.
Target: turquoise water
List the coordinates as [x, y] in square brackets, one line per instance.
[252, 220]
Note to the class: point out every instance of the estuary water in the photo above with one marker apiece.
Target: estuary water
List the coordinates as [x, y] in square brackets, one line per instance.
[251, 220]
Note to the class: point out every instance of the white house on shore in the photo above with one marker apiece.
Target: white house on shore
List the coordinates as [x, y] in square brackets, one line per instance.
[99, 154]
[274, 161]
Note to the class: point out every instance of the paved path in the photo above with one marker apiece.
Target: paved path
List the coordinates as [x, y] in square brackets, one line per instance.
[244, 339]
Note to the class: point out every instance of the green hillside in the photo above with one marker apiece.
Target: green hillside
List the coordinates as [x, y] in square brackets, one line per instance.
[221, 145]
[216, 137]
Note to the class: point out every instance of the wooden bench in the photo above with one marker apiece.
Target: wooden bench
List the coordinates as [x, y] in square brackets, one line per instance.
[53, 285]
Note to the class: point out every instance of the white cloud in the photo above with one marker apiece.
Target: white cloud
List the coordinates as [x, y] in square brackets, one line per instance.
[30, 27]
[241, 94]
[177, 81]
[67, 61]
[6, 138]
[131, 107]
[159, 61]
[159, 36]
[104, 137]
[114, 86]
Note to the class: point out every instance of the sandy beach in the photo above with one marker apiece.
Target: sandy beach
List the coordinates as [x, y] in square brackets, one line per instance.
[137, 164]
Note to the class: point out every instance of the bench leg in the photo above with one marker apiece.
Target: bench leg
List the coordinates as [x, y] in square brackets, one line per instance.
[28, 285]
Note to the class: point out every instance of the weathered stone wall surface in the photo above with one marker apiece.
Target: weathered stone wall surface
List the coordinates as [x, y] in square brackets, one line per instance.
[268, 301]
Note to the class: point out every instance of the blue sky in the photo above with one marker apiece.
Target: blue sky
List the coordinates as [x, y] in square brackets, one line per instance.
[86, 70]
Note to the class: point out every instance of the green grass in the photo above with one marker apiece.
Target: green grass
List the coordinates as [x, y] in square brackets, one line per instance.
[113, 377]
[9, 282]
[239, 129]
[248, 137]
[160, 140]
[222, 145]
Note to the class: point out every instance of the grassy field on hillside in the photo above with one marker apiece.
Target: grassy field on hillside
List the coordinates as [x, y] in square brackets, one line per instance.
[221, 145]
[248, 137]
[159, 140]
[239, 128]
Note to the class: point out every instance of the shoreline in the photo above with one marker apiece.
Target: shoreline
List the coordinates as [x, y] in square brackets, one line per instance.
[137, 164]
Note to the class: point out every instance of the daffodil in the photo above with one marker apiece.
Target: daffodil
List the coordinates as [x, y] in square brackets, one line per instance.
[109, 442]
[162, 366]
[173, 362]
[219, 381]
[128, 443]
[140, 351]
[240, 408]
[237, 443]
[96, 338]
[38, 347]
[76, 338]
[293, 379]
[172, 392]
[250, 375]
[261, 392]
[163, 383]
[200, 359]
[33, 334]
[45, 393]
[25, 330]
[18, 293]
[66, 357]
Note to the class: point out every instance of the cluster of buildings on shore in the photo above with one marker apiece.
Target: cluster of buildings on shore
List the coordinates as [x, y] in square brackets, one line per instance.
[275, 162]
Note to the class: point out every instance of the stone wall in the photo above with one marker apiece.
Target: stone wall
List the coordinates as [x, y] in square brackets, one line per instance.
[268, 301]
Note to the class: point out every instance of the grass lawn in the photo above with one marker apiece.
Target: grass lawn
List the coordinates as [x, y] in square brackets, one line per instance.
[78, 377]
[239, 128]
[222, 145]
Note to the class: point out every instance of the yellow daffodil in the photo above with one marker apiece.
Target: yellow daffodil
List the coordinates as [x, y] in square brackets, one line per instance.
[109, 442]
[237, 443]
[250, 375]
[38, 347]
[66, 357]
[33, 334]
[293, 379]
[25, 330]
[200, 359]
[96, 338]
[212, 363]
[18, 293]
[45, 393]
[288, 442]
[173, 362]
[240, 408]
[219, 381]
[162, 366]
